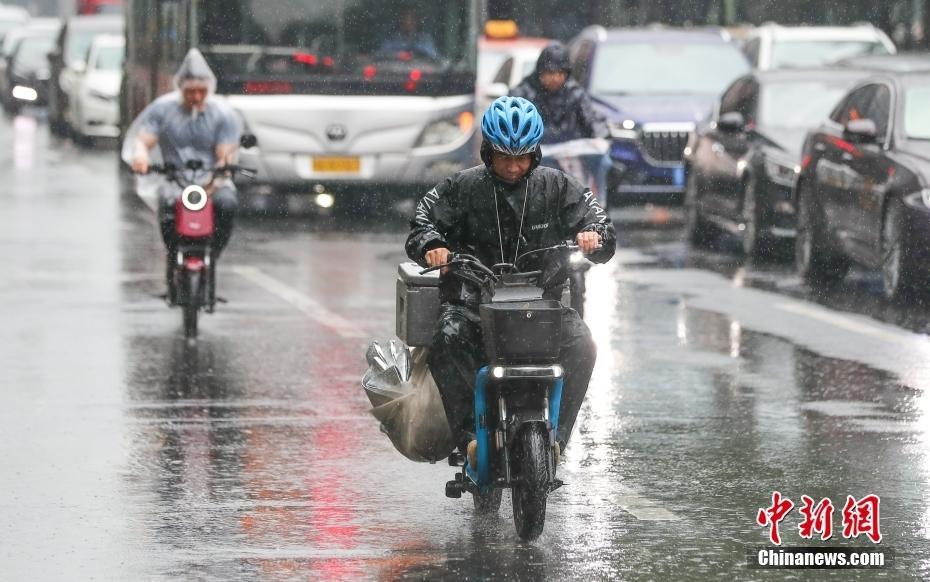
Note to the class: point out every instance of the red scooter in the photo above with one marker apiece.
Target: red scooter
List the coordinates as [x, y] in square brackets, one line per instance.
[193, 283]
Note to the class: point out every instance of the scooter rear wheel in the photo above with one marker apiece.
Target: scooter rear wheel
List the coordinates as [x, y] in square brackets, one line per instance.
[531, 460]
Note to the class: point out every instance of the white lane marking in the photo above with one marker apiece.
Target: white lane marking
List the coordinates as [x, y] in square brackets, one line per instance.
[308, 306]
[64, 276]
[644, 509]
[849, 323]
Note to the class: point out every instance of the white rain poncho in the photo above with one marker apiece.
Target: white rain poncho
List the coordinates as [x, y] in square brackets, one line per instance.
[406, 401]
[183, 135]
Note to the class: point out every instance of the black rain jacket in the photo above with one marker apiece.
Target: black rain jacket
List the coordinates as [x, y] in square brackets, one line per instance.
[460, 214]
[568, 113]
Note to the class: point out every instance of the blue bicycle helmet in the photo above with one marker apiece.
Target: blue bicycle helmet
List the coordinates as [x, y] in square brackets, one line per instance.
[513, 126]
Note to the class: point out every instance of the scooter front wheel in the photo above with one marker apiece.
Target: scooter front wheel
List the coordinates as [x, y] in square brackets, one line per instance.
[488, 503]
[531, 460]
[192, 305]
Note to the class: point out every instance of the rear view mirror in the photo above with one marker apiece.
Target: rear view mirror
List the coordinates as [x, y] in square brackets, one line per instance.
[861, 131]
[731, 122]
[248, 140]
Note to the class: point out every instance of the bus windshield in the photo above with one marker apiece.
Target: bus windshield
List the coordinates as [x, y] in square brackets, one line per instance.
[338, 46]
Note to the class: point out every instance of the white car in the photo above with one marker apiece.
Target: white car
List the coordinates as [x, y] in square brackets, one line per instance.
[772, 46]
[94, 97]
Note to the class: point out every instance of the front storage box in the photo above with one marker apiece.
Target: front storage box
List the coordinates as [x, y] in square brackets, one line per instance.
[417, 304]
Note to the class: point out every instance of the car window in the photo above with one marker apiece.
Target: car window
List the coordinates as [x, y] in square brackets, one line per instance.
[32, 53]
[666, 68]
[801, 103]
[488, 63]
[741, 97]
[503, 74]
[879, 109]
[917, 113]
[77, 44]
[109, 58]
[581, 61]
[856, 105]
[529, 67]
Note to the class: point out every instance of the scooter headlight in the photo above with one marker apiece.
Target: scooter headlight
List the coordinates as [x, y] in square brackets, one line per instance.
[194, 198]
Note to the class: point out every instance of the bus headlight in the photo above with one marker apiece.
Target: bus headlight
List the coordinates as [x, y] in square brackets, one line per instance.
[447, 131]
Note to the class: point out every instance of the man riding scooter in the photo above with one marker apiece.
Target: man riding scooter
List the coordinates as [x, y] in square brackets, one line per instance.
[575, 135]
[564, 105]
[495, 212]
[189, 126]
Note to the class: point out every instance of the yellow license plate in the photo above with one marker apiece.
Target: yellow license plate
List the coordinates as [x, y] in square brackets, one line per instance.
[337, 165]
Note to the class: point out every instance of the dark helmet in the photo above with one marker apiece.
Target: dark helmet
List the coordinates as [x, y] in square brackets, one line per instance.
[553, 58]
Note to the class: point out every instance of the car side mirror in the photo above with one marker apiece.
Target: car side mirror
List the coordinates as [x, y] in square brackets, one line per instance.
[732, 122]
[495, 90]
[248, 140]
[861, 131]
[80, 67]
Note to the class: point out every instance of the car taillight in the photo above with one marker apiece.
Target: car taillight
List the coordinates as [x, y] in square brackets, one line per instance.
[306, 59]
[267, 87]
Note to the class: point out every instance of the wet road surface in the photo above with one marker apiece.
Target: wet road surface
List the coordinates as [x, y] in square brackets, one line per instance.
[130, 455]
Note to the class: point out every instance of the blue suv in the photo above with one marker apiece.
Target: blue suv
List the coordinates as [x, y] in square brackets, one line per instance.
[653, 86]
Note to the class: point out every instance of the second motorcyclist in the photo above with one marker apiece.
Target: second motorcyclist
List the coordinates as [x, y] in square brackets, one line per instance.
[495, 212]
[565, 106]
[189, 125]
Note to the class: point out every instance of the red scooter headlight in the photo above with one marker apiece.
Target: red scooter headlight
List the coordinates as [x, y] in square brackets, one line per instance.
[194, 198]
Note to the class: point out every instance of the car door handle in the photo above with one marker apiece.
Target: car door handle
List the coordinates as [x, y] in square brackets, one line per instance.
[847, 157]
[819, 147]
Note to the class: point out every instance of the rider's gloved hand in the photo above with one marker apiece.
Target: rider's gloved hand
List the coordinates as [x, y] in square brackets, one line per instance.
[588, 241]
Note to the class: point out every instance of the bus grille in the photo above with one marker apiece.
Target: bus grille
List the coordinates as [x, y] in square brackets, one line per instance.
[665, 146]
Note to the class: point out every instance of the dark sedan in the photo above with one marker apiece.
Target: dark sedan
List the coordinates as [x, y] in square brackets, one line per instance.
[742, 166]
[864, 188]
[28, 73]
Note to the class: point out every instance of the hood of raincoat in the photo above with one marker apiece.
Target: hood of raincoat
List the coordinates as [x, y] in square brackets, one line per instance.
[194, 66]
[553, 58]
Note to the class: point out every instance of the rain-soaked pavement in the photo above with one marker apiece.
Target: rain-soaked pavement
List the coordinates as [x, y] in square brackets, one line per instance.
[130, 455]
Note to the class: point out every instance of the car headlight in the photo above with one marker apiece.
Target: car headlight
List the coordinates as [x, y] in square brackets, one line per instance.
[925, 197]
[446, 131]
[782, 173]
[624, 130]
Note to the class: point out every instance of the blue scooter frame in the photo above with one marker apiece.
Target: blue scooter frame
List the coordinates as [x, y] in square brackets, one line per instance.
[482, 477]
